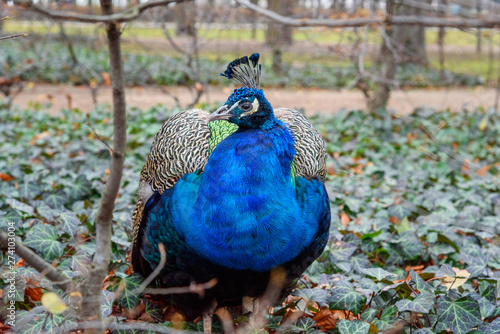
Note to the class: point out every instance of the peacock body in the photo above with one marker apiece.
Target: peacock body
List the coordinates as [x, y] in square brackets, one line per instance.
[232, 195]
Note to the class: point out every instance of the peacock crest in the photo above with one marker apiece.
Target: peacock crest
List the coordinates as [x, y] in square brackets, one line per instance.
[245, 70]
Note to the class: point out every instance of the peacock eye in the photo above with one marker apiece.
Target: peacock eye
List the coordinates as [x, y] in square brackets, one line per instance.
[246, 106]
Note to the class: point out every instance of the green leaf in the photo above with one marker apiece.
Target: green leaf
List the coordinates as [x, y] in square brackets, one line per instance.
[46, 211]
[10, 216]
[421, 304]
[44, 239]
[153, 310]
[69, 222]
[29, 188]
[14, 291]
[80, 263]
[378, 273]
[341, 252]
[490, 293]
[387, 318]
[486, 307]
[369, 314]
[107, 300]
[320, 296]
[55, 200]
[399, 211]
[353, 327]
[494, 327]
[460, 315]
[20, 206]
[346, 298]
[79, 189]
[420, 284]
[129, 297]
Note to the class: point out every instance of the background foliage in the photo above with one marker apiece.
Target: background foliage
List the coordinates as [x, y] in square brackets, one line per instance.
[415, 202]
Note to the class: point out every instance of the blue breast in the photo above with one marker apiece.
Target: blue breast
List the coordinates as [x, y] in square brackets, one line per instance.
[245, 212]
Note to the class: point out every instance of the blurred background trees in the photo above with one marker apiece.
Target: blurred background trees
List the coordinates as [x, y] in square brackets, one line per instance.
[186, 44]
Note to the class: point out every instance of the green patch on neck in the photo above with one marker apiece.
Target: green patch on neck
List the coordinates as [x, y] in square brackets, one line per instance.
[220, 130]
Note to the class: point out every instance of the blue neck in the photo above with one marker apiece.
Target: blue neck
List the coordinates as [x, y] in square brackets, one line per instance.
[246, 215]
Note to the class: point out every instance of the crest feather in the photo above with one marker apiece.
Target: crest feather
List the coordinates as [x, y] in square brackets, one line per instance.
[245, 70]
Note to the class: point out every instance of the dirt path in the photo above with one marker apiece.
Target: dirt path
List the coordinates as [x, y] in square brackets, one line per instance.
[311, 100]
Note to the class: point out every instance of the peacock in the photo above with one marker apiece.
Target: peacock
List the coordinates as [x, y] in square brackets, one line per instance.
[234, 195]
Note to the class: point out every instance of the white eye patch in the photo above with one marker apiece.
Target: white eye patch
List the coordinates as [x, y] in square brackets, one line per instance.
[255, 105]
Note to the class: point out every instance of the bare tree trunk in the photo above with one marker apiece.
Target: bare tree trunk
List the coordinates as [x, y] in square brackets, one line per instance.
[441, 34]
[410, 40]
[478, 31]
[185, 18]
[254, 20]
[387, 73]
[278, 35]
[91, 289]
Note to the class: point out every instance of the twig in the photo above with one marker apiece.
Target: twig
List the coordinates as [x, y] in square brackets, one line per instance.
[131, 326]
[193, 288]
[13, 36]
[126, 15]
[35, 261]
[426, 21]
[156, 272]
[397, 328]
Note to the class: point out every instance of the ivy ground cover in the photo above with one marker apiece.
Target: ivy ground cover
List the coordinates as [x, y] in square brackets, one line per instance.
[415, 229]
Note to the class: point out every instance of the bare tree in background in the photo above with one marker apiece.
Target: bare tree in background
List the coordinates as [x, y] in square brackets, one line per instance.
[279, 35]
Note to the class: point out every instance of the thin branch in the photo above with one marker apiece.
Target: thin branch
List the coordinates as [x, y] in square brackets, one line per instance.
[35, 261]
[13, 36]
[126, 15]
[130, 326]
[426, 21]
[193, 288]
[156, 272]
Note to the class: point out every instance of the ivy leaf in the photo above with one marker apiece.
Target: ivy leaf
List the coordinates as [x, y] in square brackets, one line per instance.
[424, 331]
[152, 312]
[420, 284]
[46, 211]
[378, 273]
[353, 327]
[369, 314]
[69, 222]
[486, 307]
[10, 216]
[346, 298]
[29, 188]
[20, 206]
[399, 211]
[460, 315]
[107, 300]
[494, 327]
[421, 304]
[79, 188]
[317, 295]
[14, 292]
[44, 239]
[341, 252]
[55, 200]
[79, 262]
[129, 297]
[490, 293]
[387, 318]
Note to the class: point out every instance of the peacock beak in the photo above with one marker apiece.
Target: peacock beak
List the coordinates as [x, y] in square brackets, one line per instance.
[221, 113]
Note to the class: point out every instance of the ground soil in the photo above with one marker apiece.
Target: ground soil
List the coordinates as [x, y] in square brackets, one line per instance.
[310, 100]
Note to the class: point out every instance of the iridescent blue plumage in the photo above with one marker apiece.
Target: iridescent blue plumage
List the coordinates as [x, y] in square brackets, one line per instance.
[243, 216]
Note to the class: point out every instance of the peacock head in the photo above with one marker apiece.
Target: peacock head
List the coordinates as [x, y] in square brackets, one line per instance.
[246, 107]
